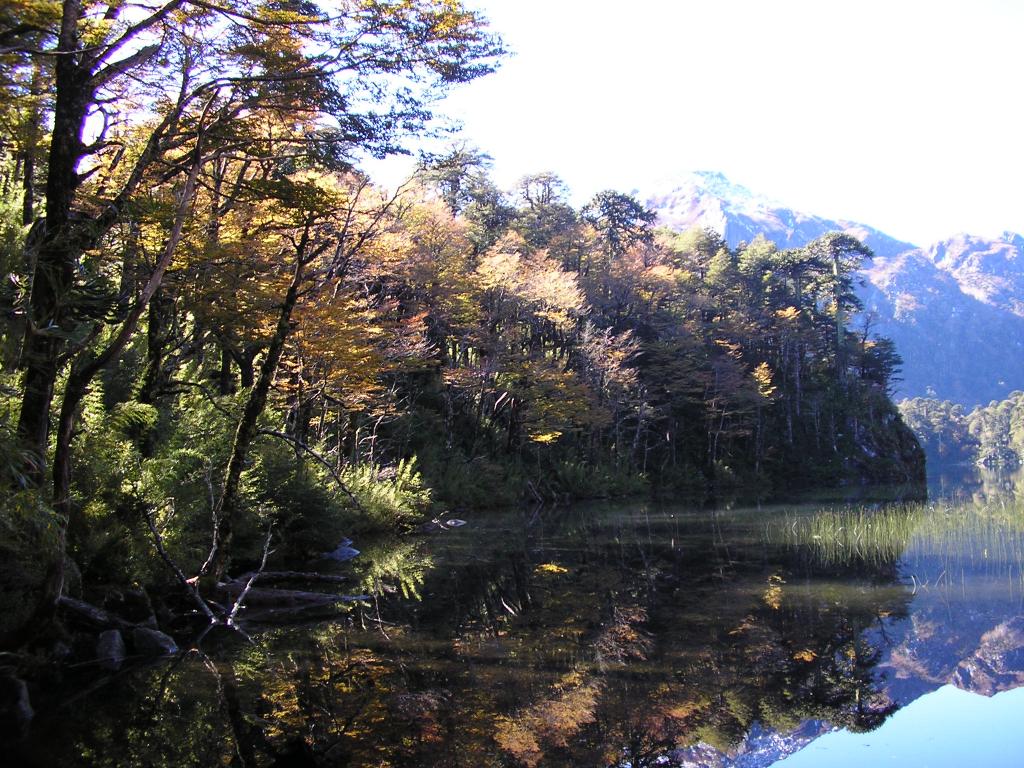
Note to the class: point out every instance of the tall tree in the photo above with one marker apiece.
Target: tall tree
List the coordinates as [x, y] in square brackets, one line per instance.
[621, 220]
[369, 68]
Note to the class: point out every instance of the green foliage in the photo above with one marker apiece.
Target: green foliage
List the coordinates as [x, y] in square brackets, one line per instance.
[843, 536]
[991, 435]
[477, 483]
[581, 480]
[988, 535]
[12, 267]
[390, 566]
[621, 220]
[999, 430]
[108, 543]
[942, 428]
[28, 547]
[391, 496]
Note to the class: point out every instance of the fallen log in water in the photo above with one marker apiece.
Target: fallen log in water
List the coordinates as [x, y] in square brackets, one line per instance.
[272, 606]
[296, 613]
[268, 604]
[272, 577]
[90, 615]
[278, 597]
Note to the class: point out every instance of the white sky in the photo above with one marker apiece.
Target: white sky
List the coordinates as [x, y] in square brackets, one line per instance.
[902, 114]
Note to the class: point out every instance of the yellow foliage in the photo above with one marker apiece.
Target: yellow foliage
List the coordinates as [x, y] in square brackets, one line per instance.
[773, 595]
[554, 400]
[551, 568]
[731, 348]
[519, 740]
[553, 720]
[682, 710]
[763, 377]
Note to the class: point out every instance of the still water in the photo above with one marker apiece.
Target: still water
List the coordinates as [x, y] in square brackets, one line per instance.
[824, 634]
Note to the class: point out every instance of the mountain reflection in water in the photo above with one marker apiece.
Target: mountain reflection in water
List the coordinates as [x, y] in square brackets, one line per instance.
[629, 635]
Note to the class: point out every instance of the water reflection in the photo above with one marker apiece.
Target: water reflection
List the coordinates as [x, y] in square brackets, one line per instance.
[975, 483]
[594, 636]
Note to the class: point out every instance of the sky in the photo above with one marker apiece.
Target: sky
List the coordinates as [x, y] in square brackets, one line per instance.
[900, 114]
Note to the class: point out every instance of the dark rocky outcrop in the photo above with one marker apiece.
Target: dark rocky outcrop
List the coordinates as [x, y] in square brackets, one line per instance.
[16, 711]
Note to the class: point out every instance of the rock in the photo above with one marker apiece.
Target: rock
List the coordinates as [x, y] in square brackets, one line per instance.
[110, 650]
[343, 552]
[153, 642]
[131, 604]
[438, 524]
[60, 651]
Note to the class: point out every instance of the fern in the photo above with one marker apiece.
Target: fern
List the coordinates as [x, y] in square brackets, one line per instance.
[391, 496]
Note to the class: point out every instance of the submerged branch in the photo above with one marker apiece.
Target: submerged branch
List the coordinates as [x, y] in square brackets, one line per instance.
[189, 586]
[252, 579]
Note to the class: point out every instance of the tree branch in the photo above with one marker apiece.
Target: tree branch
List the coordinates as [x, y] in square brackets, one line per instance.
[252, 579]
[299, 444]
[189, 587]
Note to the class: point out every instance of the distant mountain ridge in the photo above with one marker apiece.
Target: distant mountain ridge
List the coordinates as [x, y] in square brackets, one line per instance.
[955, 309]
[709, 199]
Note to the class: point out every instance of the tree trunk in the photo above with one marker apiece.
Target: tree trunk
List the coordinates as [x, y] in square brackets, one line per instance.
[225, 380]
[227, 508]
[246, 368]
[58, 252]
[77, 386]
[156, 339]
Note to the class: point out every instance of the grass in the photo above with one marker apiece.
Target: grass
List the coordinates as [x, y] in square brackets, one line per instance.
[987, 535]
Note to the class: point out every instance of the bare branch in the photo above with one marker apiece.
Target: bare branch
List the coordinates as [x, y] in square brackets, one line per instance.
[189, 587]
[252, 579]
[299, 444]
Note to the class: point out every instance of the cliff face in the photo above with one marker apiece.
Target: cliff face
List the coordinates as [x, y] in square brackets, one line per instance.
[955, 346]
[992, 271]
[954, 309]
[886, 452]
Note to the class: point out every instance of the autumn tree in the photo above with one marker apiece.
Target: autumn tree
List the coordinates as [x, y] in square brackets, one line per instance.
[370, 69]
[161, 96]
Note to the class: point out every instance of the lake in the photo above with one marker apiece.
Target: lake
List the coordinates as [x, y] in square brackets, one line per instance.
[628, 634]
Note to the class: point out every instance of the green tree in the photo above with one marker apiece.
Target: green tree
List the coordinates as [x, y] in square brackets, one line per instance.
[621, 221]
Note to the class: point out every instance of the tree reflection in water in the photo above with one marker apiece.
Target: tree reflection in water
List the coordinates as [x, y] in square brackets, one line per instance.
[596, 636]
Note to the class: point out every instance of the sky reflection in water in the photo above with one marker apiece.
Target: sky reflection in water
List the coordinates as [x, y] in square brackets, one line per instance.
[947, 728]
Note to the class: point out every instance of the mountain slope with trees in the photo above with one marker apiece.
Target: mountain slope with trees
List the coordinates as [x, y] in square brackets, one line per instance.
[943, 306]
[990, 435]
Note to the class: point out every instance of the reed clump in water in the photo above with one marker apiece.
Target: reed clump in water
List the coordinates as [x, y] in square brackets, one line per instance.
[992, 532]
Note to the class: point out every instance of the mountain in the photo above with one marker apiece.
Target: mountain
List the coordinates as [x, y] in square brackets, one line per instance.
[991, 271]
[709, 199]
[955, 309]
[981, 658]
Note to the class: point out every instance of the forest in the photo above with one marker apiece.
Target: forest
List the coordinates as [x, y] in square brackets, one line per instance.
[219, 331]
[990, 435]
